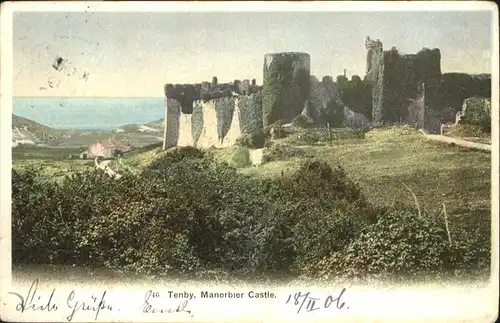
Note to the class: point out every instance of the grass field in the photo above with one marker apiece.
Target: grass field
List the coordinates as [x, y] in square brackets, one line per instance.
[469, 133]
[55, 161]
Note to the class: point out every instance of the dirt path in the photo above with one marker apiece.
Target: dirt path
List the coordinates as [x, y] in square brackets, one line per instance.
[104, 166]
[458, 142]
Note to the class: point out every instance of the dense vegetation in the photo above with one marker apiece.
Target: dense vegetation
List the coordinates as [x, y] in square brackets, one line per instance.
[188, 214]
[477, 112]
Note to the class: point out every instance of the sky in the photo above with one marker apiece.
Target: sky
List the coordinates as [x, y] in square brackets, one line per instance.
[128, 54]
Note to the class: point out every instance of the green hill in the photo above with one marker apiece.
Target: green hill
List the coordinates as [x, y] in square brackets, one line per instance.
[28, 131]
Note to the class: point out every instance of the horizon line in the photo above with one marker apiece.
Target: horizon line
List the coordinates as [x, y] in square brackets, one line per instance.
[87, 97]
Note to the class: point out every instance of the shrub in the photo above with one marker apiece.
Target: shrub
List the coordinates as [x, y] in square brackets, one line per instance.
[477, 112]
[52, 222]
[281, 152]
[277, 131]
[315, 179]
[405, 245]
[309, 136]
[321, 136]
[254, 140]
[302, 121]
[178, 154]
[328, 210]
[240, 157]
[400, 243]
[187, 214]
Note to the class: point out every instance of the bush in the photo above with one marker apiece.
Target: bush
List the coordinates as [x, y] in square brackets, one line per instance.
[315, 179]
[254, 140]
[400, 243]
[477, 112]
[310, 136]
[321, 136]
[240, 157]
[187, 214]
[302, 121]
[52, 222]
[405, 245]
[328, 210]
[281, 152]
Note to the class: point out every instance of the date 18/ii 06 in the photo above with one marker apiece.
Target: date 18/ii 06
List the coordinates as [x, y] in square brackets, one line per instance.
[306, 302]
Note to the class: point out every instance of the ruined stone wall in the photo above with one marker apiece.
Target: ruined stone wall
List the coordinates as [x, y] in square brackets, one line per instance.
[357, 96]
[456, 87]
[250, 112]
[416, 108]
[172, 125]
[375, 77]
[286, 85]
[395, 80]
[317, 104]
[336, 102]
[403, 75]
[187, 94]
[208, 114]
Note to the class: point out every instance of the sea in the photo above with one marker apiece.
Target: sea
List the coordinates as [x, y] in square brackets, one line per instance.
[78, 113]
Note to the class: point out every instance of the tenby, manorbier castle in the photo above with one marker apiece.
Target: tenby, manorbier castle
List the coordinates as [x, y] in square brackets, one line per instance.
[407, 88]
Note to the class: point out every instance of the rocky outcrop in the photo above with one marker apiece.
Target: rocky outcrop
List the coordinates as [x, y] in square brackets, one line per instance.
[286, 85]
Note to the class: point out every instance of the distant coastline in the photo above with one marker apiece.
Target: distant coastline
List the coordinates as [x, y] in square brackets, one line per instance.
[86, 97]
[88, 113]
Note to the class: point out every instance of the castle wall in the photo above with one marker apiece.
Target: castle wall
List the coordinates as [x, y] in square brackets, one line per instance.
[395, 80]
[250, 113]
[375, 77]
[209, 133]
[215, 122]
[320, 96]
[416, 109]
[185, 137]
[286, 85]
[233, 128]
[456, 87]
[172, 124]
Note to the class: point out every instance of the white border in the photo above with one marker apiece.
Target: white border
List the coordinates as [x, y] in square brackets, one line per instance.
[429, 306]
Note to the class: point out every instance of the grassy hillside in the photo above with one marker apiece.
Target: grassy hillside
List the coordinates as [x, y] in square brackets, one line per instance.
[35, 127]
[388, 163]
[27, 130]
[31, 132]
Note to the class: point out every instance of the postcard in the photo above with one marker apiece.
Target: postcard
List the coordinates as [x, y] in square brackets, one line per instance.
[249, 161]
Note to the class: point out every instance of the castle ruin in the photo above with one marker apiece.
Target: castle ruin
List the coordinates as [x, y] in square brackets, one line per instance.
[401, 83]
[211, 114]
[408, 88]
